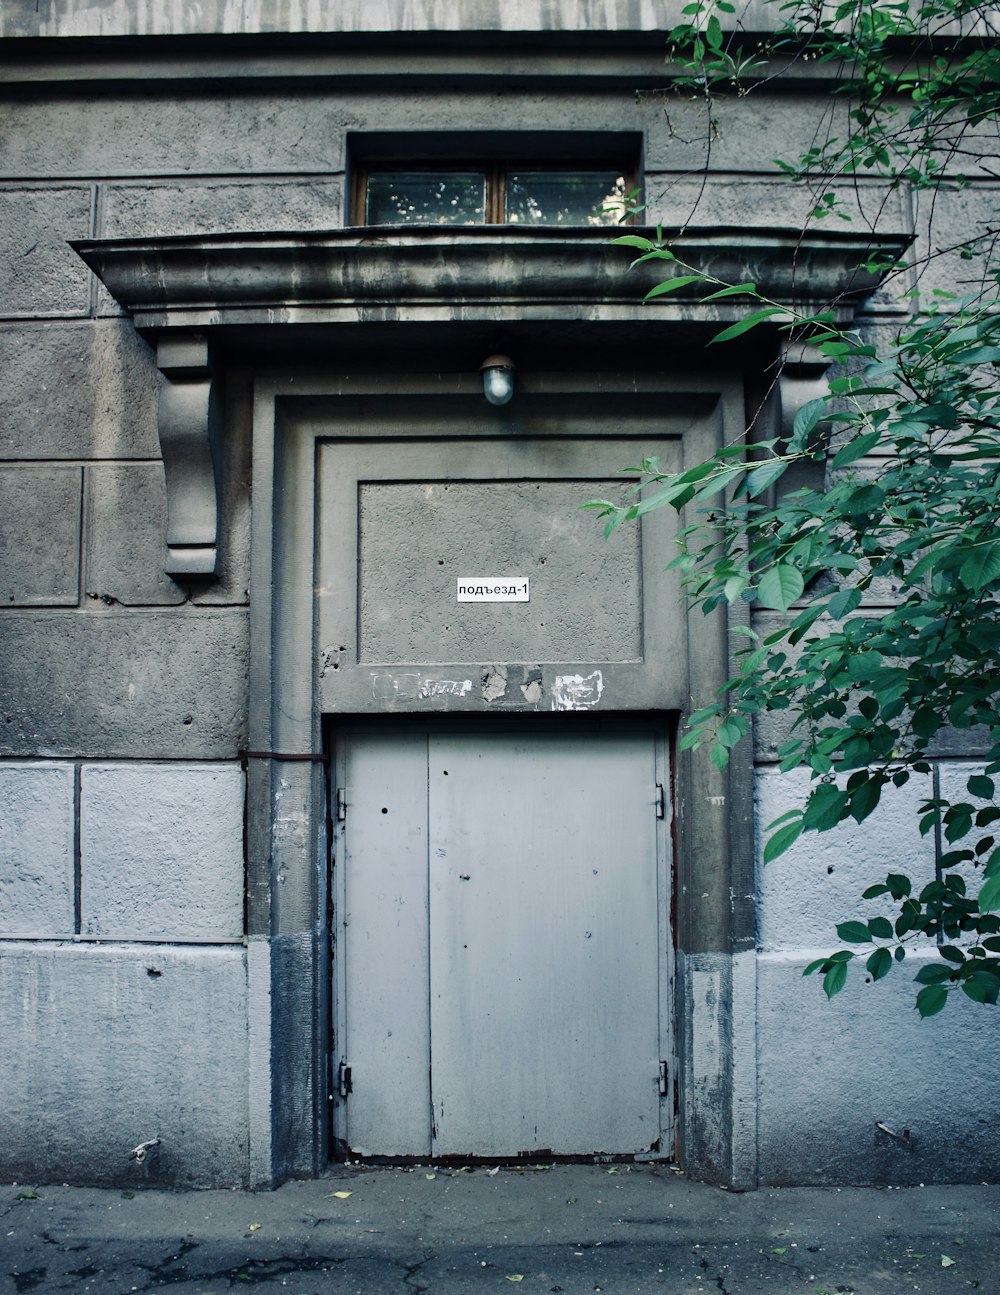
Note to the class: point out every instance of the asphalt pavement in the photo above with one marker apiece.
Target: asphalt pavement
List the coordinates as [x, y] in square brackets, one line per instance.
[576, 1229]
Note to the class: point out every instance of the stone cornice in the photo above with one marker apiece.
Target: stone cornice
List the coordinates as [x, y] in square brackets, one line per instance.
[180, 292]
[470, 273]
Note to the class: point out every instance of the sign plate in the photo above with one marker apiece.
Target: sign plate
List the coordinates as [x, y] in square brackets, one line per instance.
[493, 589]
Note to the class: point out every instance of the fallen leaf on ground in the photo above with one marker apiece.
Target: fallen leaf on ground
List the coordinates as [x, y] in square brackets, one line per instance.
[430, 1177]
[515, 1277]
[341, 1196]
[946, 1262]
[256, 1227]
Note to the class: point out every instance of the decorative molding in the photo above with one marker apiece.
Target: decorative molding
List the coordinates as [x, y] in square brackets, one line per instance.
[182, 291]
[485, 273]
[802, 378]
[188, 424]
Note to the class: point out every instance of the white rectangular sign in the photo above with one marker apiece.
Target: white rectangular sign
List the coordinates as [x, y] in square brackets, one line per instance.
[493, 589]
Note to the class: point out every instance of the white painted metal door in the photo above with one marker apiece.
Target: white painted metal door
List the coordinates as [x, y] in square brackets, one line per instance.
[504, 981]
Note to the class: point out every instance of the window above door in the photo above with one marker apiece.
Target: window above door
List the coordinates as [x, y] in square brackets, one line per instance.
[529, 178]
[401, 194]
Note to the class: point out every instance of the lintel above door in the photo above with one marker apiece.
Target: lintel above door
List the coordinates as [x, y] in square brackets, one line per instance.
[192, 297]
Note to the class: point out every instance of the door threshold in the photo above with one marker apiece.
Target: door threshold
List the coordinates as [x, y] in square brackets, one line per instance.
[537, 1160]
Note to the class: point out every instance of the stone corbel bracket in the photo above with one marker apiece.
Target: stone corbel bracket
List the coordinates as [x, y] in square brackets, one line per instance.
[190, 441]
[803, 378]
[182, 291]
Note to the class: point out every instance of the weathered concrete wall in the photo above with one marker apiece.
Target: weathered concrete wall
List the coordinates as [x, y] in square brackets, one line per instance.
[122, 971]
[176, 17]
[828, 1070]
[108, 1046]
[123, 693]
[122, 710]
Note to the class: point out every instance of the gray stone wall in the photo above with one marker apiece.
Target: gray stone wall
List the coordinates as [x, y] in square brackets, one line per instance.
[123, 980]
[123, 694]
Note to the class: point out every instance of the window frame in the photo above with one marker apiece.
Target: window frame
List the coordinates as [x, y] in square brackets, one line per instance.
[495, 171]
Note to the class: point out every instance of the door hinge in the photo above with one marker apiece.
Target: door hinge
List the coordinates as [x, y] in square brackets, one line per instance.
[664, 1086]
[344, 1083]
[661, 805]
[341, 805]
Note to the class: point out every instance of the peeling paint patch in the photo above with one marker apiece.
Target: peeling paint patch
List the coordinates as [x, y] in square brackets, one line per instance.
[445, 687]
[395, 687]
[577, 691]
[706, 1049]
[330, 658]
[531, 689]
[494, 683]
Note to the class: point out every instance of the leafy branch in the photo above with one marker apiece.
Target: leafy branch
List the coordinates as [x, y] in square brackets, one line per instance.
[876, 591]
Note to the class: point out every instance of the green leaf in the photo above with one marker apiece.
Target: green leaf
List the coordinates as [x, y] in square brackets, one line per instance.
[833, 981]
[981, 786]
[672, 285]
[746, 323]
[760, 477]
[879, 964]
[806, 419]
[865, 798]
[982, 987]
[779, 587]
[844, 602]
[781, 840]
[854, 932]
[982, 566]
[826, 807]
[931, 999]
[635, 240]
[855, 449]
[719, 757]
[881, 928]
[989, 896]
[734, 290]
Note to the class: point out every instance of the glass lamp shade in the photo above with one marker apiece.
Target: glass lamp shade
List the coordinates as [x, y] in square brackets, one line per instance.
[498, 379]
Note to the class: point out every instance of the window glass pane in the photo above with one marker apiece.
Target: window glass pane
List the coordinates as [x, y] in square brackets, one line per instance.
[565, 197]
[426, 198]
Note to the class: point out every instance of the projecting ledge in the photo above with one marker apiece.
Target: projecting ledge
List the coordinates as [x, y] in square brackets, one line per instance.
[183, 292]
[475, 273]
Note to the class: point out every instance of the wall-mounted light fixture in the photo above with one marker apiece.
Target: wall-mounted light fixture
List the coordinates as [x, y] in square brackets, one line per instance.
[498, 378]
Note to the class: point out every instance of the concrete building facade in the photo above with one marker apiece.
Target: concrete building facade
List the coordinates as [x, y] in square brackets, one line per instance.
[304, 854]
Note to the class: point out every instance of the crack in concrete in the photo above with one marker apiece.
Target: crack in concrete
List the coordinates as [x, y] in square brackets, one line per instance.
[252, 1272]
[28, 1280]
[412, 1269]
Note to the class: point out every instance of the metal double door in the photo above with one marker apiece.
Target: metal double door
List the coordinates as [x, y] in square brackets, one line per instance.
[502, 968]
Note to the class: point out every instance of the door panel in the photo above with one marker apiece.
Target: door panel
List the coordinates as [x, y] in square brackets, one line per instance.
[383, 945]
[400, 524]
[543, 944]
[505, 981]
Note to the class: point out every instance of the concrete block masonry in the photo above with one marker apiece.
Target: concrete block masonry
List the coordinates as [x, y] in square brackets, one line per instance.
[106, 1046]
[190, 820]
[141, 211]
[39, 272]
[39, 536]
[126, 524]
[36, 849]
[169, 684]
[162, 133]
[828, 1069]
[78, 390]
[807, 890]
